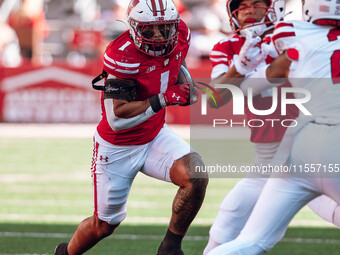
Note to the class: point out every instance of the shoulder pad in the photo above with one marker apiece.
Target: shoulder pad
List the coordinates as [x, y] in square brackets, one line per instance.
[120, 61]
[184, 32]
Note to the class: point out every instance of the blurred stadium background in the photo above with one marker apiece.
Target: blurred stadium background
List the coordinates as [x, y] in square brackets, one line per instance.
[50, 51]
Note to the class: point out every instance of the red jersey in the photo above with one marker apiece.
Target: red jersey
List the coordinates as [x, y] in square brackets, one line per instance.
[154, 74]
[222, 58]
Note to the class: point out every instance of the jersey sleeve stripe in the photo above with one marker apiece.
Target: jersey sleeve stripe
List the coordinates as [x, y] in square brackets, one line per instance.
[219, 59]
[128, 65]
[121, 70]
[127, 71]
[189, 35]
[229, 40]
[109, 59]
[109, 66]
[116, 63]
[283, 35]
[219, 70]
[284, 25]
[218, 53]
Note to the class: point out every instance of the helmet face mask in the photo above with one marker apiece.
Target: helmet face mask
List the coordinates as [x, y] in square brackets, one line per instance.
[162, 46]
[321, 12]
[154, 28]
[273, 12]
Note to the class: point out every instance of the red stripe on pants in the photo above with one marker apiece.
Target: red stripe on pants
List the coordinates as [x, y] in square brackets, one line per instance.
[93, 172]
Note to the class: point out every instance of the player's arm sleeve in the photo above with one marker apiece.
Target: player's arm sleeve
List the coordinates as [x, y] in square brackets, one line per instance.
[118, 124]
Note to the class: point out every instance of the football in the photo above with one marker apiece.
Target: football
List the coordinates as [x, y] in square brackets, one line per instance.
[185, 77]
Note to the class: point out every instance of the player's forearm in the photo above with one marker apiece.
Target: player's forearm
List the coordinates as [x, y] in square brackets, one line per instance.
[231, 77]
[279, 68]
[131, 109]
[117, 123]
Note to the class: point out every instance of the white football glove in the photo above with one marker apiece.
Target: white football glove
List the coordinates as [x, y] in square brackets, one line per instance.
[250, 55]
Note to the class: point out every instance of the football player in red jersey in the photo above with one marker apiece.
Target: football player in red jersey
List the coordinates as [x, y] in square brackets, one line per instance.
[132, 136]
[257, 18]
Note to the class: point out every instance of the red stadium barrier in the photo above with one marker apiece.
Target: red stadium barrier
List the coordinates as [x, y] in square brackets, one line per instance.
[63, 94]
[51, 94]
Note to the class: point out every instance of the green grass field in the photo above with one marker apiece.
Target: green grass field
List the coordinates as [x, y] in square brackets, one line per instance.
[45, 191]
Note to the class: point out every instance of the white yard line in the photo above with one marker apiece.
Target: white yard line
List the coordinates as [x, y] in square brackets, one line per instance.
[51, 218]
[47, 130]
[153, 237]
[43, 130]
[25, 254]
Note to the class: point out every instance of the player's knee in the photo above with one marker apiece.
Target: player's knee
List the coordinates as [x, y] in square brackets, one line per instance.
[336, 216]
[102, 228]
[249, 246]
[198, 184]
[198, 179]
[222, 233]
[184, 174]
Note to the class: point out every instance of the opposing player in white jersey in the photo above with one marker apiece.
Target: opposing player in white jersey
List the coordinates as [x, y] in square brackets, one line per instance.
[239, 202]
[142, 67]
[310, 58]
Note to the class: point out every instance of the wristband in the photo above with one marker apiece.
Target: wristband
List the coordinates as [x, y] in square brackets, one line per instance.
[155, 103]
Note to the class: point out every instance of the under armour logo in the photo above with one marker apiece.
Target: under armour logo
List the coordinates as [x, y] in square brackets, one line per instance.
[106, 159]
[177, 97]
[245, 61]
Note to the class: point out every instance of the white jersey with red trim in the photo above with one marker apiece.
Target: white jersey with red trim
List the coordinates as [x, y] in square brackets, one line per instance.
[318, 64]
[222, 58]
[153, 74]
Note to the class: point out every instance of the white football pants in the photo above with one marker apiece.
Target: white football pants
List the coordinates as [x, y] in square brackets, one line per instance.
[282, 198]
[114, 168]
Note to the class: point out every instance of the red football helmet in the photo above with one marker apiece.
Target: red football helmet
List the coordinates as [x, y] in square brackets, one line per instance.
[148, 18]
[274, 12]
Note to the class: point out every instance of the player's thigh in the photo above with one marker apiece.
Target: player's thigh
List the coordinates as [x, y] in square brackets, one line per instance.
[331, 188]
[163, 152]
[243, 196]
[316, 144]
[113, 171]
[279, 201]
[329, 160]
[319, 145]
[236, 209]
